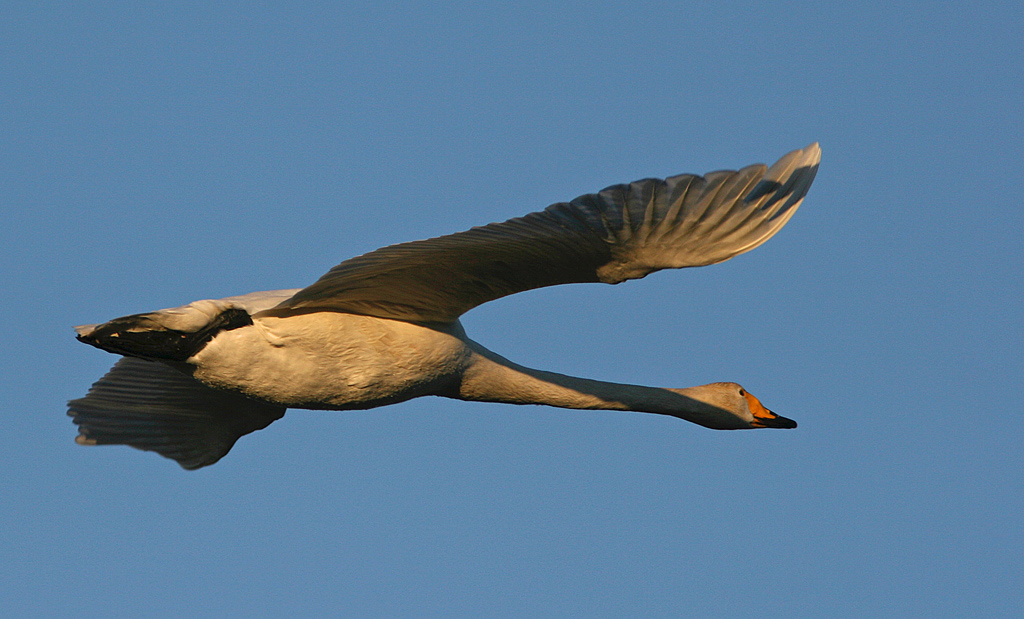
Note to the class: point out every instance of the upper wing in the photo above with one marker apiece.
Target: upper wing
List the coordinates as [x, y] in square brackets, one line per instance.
[151, 406]
[623, 232]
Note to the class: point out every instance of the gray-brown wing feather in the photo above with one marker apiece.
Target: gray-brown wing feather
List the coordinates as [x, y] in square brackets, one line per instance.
[623, 232]
[151, 406]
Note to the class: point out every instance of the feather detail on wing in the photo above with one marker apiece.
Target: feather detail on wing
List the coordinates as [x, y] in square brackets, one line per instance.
[623, 232]
[153, 407]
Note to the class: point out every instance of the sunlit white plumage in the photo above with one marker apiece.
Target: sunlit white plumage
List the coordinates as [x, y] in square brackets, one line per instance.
[383, 327]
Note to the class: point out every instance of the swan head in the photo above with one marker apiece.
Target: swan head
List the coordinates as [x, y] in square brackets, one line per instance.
[731, 407]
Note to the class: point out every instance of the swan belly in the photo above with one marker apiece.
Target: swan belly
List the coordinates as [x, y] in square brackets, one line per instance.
[332, 360]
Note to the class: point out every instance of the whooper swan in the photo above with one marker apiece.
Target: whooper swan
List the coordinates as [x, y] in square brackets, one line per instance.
[384, 327]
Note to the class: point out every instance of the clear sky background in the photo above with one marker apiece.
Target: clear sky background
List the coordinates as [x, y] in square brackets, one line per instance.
[154, 155]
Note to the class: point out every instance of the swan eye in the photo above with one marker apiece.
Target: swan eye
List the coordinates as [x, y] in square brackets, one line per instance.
[742, 392]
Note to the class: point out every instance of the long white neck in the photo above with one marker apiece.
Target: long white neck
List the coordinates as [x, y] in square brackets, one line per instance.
[491, 378]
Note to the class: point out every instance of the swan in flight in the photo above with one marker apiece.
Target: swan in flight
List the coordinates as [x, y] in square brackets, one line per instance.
[384, 327]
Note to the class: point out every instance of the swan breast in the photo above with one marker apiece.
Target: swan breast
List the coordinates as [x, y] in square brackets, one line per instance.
[333, 360]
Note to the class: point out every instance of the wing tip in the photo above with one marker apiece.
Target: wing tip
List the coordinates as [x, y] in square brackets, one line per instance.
[811, 154]
[82, 439]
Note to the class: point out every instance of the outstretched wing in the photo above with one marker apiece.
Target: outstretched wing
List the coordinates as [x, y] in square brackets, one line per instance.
[623, 232]
[151, 406]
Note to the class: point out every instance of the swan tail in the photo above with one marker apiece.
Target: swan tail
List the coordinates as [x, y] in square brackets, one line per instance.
[174, 335]
[153, 407]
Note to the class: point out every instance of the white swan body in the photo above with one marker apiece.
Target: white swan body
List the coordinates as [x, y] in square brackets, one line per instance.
[383, 328]
[333, 360]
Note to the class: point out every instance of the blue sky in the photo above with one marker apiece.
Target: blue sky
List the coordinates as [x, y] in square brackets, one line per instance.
[154, 155]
